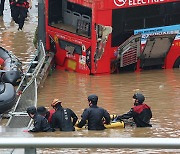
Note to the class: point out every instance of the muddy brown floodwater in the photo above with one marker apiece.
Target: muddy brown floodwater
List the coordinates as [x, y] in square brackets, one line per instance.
[161, 88]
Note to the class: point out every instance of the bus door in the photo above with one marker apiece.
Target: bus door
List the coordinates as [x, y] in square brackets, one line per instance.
[156, 50]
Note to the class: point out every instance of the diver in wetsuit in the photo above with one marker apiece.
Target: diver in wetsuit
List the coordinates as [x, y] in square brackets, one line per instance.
[140, 112]
[19, 9]
[63, 118]
[94, 115]
[1, 7]
[46, 113]
[40, 122]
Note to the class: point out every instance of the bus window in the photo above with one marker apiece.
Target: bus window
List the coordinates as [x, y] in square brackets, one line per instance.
[55, 13]
[175, 19]
[136, 23]
[174, 13]
[126, 20]
[155, 21]
[70, 17]
[70, 47]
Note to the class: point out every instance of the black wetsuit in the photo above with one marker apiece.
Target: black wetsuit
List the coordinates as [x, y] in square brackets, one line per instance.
[141, 115]
[40, 124]
[19, 11]
[94, 115]
[1, 7]
[62, 119]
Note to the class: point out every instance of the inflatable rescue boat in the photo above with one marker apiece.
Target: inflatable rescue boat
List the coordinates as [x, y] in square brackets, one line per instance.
[10, 68]
[7, 97]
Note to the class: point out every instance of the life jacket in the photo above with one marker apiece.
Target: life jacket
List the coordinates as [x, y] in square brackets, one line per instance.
[142, 116]
[20, 3]
[138, 109]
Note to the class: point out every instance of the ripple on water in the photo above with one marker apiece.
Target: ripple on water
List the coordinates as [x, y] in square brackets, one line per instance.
[106, 151]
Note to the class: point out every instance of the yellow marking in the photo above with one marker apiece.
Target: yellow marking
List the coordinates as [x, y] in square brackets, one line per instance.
[71, 64]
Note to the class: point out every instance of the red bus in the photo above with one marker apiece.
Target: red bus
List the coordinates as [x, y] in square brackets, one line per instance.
[106, 36]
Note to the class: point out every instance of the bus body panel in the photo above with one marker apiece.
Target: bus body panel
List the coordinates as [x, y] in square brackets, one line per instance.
[103, 14]
[71, 62]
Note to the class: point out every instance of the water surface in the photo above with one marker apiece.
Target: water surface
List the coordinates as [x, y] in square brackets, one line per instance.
[160, 87]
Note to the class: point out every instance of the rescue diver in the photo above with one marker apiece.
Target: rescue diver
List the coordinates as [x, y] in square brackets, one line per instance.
[140, 112]
[40, 122]
[19, 9]
[63, 118]
[46, 113]
[2, 3]
[94, 115]
[1, 7]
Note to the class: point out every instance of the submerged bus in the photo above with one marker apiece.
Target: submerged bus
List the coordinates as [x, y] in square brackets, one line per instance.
[106, 36]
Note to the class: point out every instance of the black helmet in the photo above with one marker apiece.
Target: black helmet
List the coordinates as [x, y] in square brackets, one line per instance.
[31, 110]
[41, 110]
[139, 97]
[93, 98]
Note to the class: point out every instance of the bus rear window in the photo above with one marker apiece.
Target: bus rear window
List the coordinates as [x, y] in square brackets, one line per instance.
[70, 17]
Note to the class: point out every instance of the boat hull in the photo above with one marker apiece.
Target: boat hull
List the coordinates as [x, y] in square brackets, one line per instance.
[7, 97]
[10, 71]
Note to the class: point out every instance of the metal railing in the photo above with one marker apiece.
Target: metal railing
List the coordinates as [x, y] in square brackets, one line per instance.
[33, 71]
[28, 88]
[30, 144]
